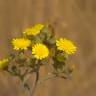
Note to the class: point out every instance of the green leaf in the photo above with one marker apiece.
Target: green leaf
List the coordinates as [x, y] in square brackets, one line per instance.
[45, 30]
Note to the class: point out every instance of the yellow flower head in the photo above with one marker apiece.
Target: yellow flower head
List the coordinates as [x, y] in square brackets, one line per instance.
[3, 63]
[66, 46]
[21, 43]
[35, 30]
[40, 51]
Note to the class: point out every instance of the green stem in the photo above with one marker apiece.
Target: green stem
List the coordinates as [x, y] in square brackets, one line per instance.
[26, 86]
[45, 79]
[35, 83]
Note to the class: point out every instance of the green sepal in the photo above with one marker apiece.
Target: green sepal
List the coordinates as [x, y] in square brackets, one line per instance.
[21, 58]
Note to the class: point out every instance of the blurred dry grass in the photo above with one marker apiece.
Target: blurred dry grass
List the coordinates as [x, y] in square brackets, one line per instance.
[74, 19]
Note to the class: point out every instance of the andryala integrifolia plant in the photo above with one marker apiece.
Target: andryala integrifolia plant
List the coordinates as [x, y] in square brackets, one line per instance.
[39, 47]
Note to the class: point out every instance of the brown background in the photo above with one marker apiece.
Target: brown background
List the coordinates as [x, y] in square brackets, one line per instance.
[74, 19]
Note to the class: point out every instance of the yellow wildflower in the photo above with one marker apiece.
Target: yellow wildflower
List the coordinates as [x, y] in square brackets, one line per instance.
[66, 45]
[21, 43]
[40, 51]
[3, 63]
[35, 30]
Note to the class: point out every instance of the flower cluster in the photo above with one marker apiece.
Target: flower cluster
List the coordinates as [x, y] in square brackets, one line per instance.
[38, 47]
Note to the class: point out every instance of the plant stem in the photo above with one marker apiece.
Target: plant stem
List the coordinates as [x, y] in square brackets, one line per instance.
[26, 86]
[35, 83]
[47, 78]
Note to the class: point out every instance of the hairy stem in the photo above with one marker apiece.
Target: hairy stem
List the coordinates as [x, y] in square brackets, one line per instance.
[27, 87]
[35, 83]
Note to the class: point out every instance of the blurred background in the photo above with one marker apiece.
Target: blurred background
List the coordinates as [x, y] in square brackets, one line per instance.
[73, 19]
